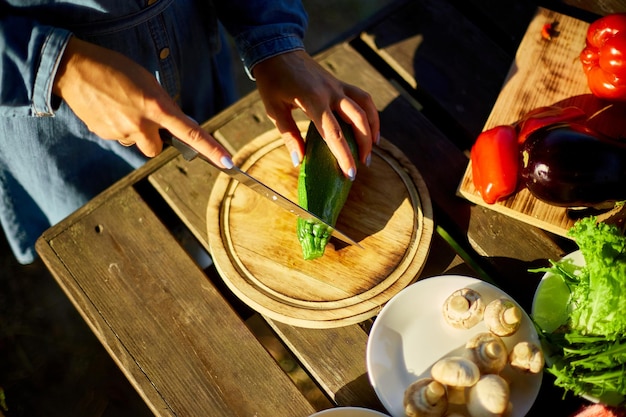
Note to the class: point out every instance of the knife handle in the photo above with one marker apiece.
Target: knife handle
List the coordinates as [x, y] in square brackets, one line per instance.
[185, 150]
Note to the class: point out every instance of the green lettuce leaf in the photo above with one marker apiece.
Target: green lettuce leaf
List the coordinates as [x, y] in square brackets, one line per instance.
[598, 297]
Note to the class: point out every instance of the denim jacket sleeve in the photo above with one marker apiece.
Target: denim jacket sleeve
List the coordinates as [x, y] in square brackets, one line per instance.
[30, 52]
[30, 56]
[263, 29]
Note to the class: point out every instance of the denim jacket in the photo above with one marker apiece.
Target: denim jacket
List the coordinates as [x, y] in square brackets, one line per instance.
[50, 163]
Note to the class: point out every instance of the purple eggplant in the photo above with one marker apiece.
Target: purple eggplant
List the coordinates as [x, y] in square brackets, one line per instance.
[570, 165]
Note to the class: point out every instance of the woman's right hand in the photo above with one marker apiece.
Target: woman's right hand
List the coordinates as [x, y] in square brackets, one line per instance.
[295, 80]
[120, 100]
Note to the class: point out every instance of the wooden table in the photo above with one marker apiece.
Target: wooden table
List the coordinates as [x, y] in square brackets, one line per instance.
[435, 70]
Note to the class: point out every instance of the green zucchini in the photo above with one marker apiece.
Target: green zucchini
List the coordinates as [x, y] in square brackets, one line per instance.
[322, 189]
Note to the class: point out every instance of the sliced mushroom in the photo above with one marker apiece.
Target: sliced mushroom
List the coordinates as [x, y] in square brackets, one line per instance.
[489, 397]
[464, 308]
[425, 398]
[502, 317]
[488, 352]
[527, 357]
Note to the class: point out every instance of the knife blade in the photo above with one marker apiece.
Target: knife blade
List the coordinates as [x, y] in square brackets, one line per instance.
[189, 154]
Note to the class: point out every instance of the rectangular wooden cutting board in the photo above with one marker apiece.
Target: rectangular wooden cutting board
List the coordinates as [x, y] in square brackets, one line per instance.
[545, 72]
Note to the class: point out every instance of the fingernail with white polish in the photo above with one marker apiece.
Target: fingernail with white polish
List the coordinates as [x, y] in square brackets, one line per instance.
[295, 159]
[227, 162]
[368, 160]
[351, 174]
[377, 141]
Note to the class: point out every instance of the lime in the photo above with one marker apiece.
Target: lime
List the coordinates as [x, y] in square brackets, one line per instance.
[550, 304]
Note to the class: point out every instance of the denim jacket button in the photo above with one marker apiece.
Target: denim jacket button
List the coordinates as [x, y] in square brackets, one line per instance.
[151, 2]
[165, 52]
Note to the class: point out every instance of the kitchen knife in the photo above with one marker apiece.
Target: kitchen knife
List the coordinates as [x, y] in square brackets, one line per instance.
[190, 153]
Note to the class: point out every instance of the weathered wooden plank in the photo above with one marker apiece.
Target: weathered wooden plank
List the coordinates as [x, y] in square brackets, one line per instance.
[186, 186]
[444, 56]
[347, 64]
[147, 301]
[106, 334]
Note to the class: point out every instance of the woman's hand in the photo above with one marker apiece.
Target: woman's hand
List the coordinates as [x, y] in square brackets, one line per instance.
[119, 100]
[295, 80]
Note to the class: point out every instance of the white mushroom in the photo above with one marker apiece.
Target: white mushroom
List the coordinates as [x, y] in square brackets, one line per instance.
[502, 317]
[464, 308]
[425, 398]
[488, 352]
[456, 373]
[527, 357]
[489, 397]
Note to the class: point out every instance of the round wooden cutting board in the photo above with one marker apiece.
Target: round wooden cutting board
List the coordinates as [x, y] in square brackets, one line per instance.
[254, 245]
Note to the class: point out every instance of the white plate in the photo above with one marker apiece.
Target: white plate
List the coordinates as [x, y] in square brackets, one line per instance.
[348, 412]
[410, 335]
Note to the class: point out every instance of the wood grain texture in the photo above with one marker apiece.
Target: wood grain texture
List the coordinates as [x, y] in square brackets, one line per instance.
[147, 304]
[255, 248]
[545, 73]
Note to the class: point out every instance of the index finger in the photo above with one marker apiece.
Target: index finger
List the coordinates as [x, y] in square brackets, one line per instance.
[190, 132]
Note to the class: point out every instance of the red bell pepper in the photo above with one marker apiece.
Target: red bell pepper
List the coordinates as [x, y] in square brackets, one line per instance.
[604, 57]
[495, 163]
[544, 116]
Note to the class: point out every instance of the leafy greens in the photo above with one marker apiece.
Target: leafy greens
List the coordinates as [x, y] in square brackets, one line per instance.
[599, 296]
[589, 353]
